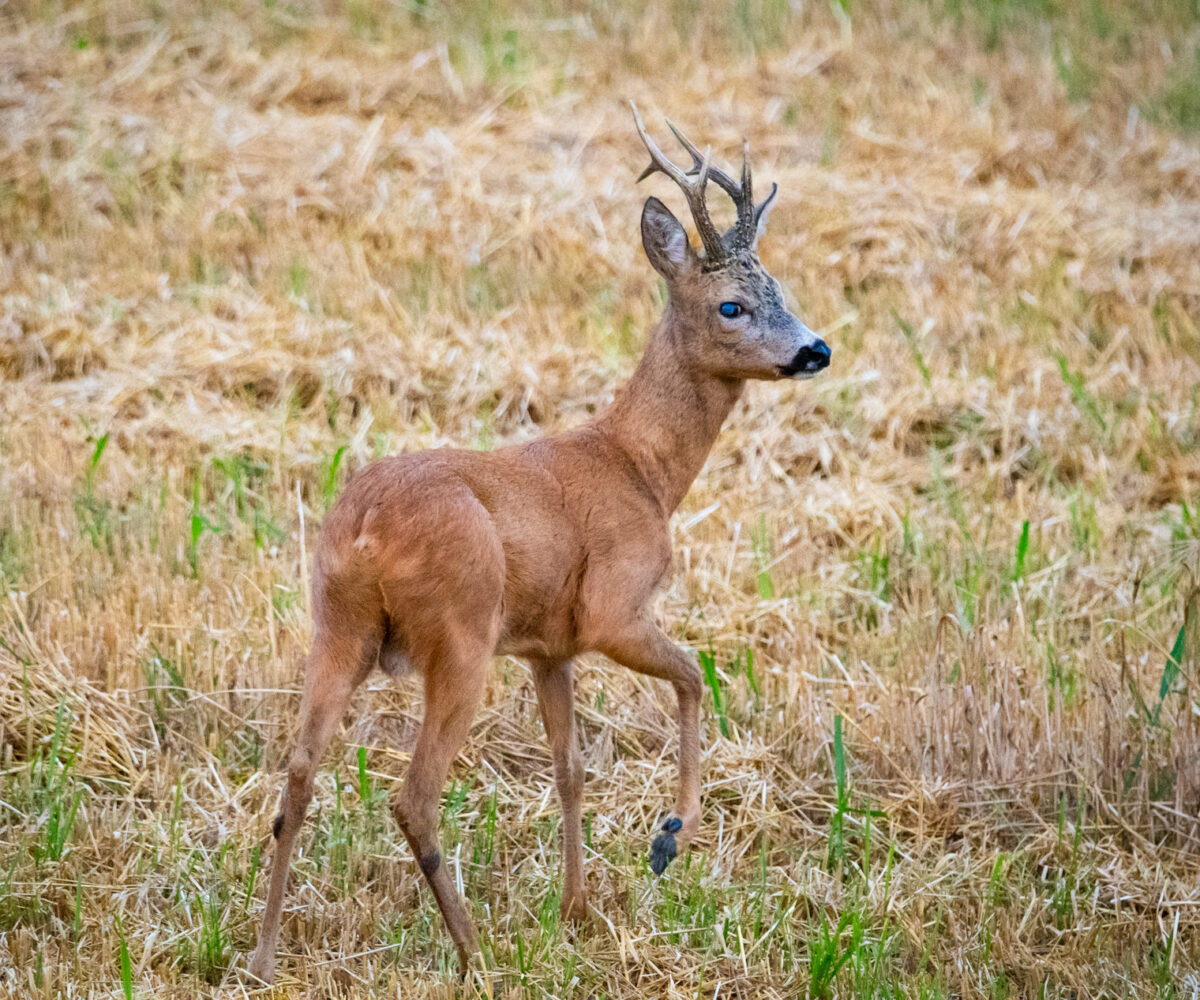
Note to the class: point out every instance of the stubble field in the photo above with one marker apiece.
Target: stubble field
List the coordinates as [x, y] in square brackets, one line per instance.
[944, 594]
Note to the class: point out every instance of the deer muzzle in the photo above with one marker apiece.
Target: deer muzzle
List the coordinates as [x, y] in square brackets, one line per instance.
[809, 360]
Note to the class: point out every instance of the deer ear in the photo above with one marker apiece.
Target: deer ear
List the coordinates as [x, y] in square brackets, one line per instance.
[763, 212]
[665, 240]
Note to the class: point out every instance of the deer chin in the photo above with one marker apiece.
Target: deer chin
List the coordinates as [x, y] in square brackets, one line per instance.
[793, 374]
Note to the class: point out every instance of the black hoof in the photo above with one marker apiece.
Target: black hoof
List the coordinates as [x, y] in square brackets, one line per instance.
[663, 850]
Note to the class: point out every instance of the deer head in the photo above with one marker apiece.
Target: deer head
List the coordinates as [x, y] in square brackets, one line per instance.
[735, 323]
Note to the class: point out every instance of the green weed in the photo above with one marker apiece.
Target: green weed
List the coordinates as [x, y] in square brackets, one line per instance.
[213, 949]
[829, 949]
[198, 524]
[124, 962]
[918, 357]
[166, 690]
[1080, 395]
[52, 793]
[247, 486]
[841, 807]
[1178, 103]
[708, 663]
[330, 478]
[94, 513]
[1022, 551]
[762, 556]
[296, 280]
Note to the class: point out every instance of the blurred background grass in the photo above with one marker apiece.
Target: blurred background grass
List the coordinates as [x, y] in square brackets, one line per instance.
[944, 595]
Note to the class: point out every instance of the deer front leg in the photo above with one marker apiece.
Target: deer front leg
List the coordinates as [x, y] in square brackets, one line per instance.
[555, 685]
[644, 647]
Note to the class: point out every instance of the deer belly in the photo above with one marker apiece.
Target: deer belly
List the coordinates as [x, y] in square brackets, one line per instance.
[539, 623]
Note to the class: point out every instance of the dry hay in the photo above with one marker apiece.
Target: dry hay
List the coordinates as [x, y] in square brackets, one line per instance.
[101, 735]
[238, 239]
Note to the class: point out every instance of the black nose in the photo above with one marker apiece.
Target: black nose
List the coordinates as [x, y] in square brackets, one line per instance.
[809, 359]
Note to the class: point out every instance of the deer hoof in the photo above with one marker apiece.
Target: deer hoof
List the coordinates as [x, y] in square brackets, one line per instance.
[470, 962]
[574, 910]
[262, 966]
[664, 849]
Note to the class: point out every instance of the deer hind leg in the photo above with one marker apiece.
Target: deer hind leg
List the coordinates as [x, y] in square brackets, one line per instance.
[335, 668]
[642, 646]
[454, 676]
[555, 685]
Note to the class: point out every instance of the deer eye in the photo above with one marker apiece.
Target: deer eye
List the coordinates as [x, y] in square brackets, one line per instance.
[731, 310]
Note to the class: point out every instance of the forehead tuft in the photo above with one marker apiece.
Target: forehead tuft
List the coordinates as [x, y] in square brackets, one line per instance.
[743, 262]
[746, 274]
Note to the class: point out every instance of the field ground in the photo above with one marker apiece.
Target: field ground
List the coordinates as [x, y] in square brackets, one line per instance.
[945, 595]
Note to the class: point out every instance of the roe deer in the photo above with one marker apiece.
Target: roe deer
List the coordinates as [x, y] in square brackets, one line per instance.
[439, 560]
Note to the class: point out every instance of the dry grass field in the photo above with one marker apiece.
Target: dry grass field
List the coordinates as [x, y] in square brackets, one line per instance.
[945, 595]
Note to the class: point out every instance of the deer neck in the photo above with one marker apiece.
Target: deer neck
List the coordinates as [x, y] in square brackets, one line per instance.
[668, 415]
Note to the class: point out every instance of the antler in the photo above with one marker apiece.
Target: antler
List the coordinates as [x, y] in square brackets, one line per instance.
[746, 228]
[745, 231]
[693, 191]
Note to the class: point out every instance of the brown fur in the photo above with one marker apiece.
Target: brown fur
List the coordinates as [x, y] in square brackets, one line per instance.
[439, 560]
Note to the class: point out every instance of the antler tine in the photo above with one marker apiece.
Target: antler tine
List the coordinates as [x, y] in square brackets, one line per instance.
[715, 174]
[693, 191]
[747, 225]
[740, 193]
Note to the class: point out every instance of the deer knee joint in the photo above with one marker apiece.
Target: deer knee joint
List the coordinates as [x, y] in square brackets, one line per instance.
[568, 771]
[399, 810]
[689, 686]
[575, 772]
[300, 780]
[415, 820]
